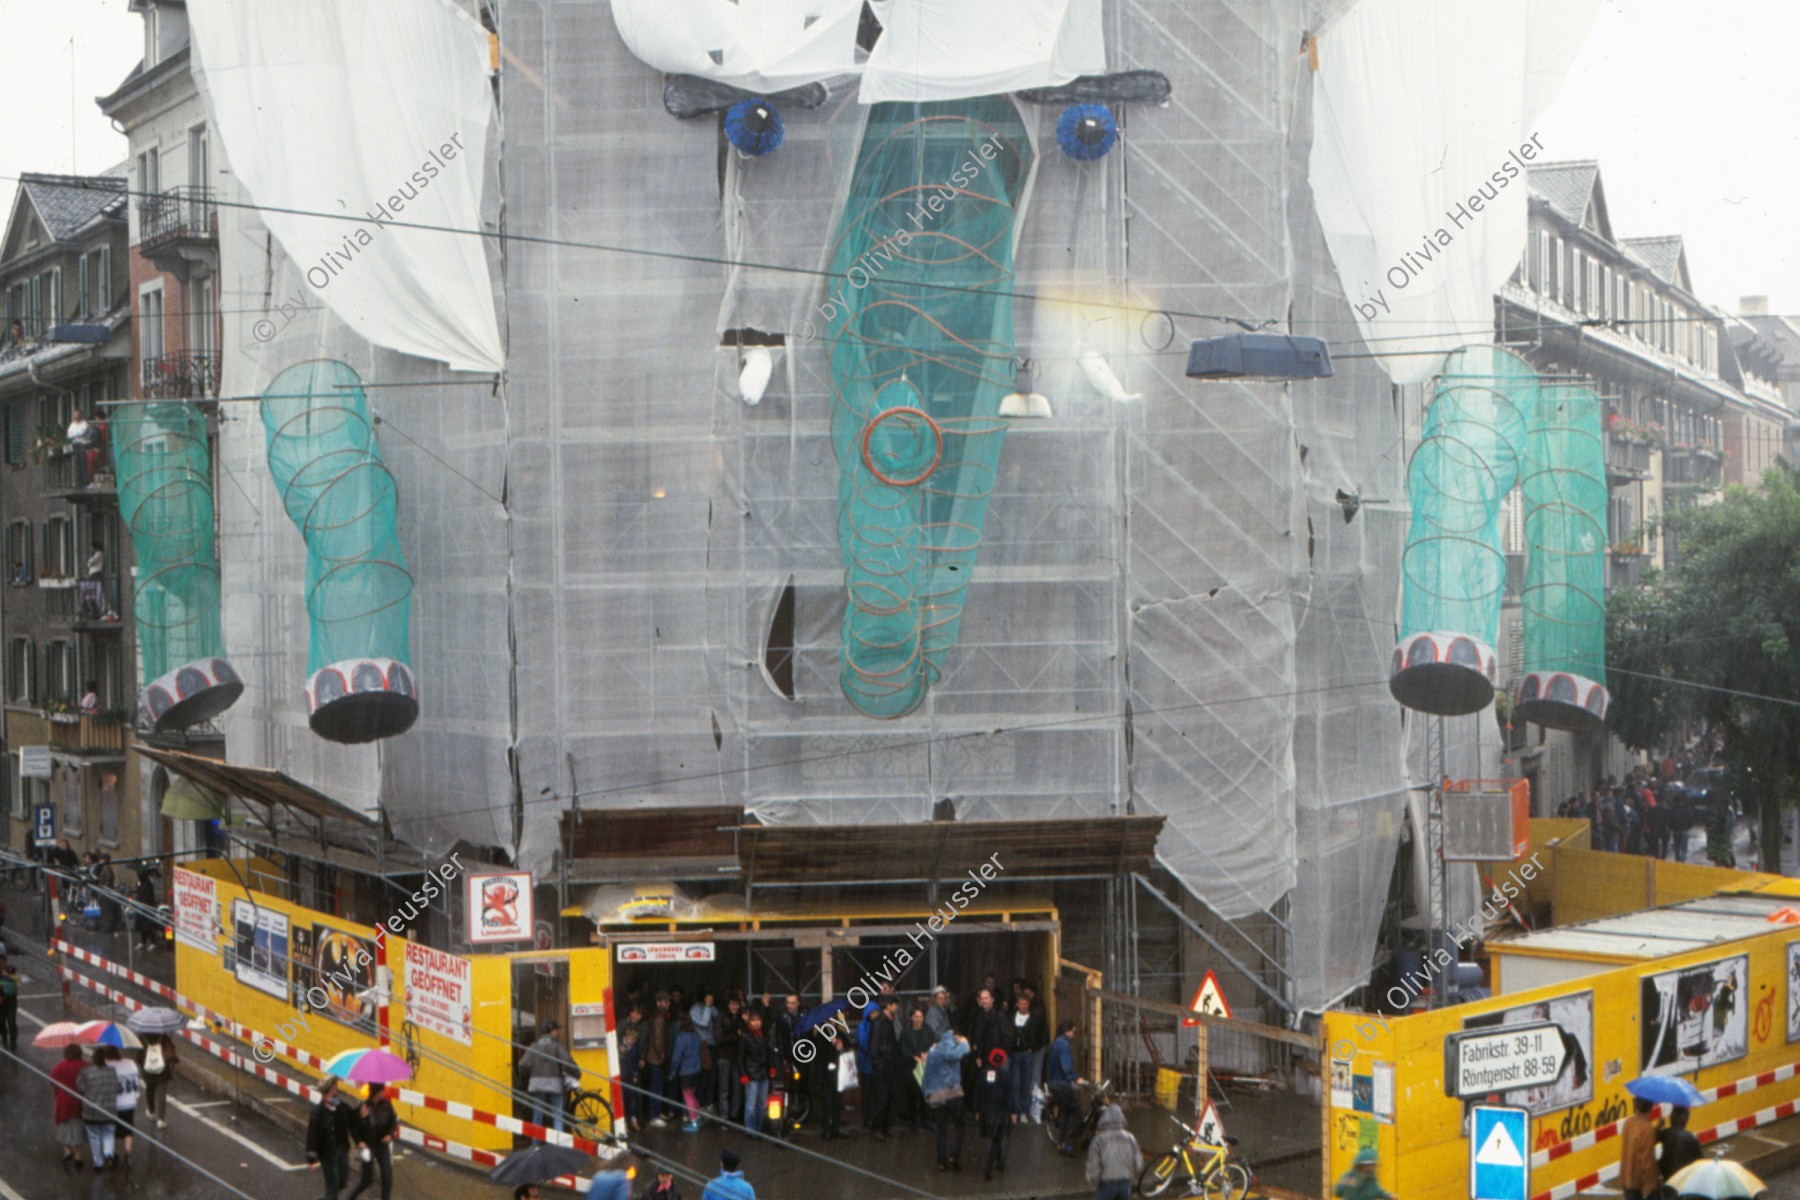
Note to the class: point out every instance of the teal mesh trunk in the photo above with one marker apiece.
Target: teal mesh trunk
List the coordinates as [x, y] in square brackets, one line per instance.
[326, 463]
[921, 348]
[1454, 569]
[1565, 494]
[160, 459]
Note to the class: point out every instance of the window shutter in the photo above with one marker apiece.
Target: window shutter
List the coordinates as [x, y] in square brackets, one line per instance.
[103, 301]
[15, 435]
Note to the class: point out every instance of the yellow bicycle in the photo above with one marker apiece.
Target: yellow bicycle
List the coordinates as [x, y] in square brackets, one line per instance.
[1215, 1172]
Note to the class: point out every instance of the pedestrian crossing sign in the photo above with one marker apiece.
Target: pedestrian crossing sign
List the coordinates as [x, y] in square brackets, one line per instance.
[1209, 1000]
[1499, 1165]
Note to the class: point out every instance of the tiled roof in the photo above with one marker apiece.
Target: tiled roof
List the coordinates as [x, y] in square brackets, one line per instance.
[67, 202]
[1567, 186]
[1661, 254]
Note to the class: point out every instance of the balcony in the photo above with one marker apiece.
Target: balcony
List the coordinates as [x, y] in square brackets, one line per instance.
[87, 735]
[179, 229]
[1699, 467]
[67, 476]
[1625, 569]
[186, 375]
[1627, 457]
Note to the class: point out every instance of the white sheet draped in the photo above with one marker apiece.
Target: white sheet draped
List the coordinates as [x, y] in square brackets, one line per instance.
[757, 45]
[343, 107]
[1415, 109]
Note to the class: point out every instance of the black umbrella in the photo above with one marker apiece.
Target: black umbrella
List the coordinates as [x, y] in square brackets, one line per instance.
[539, 1163]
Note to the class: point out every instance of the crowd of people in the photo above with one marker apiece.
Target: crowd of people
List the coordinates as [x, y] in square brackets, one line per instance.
[1651, 811]
[911, 1066]
[95, 1102]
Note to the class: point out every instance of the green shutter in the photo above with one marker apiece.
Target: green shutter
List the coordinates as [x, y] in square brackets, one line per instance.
[15, 435]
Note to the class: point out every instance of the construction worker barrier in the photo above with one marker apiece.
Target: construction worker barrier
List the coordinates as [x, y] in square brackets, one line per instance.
[249, 1064]
[1583, 1141]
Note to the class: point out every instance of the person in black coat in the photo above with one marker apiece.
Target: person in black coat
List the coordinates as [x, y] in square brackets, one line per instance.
[884, 1067]
[996, 1109]
[328, 1139]
[986, 1033]
[1026, 1039]
[828, 1102]
[375, 1126]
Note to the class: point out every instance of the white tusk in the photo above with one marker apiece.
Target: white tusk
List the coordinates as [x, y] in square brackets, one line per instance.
[1100, 373]
[753, 376]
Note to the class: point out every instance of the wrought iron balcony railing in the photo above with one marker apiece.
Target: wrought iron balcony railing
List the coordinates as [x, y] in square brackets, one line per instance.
[183, 212]
[185, 375]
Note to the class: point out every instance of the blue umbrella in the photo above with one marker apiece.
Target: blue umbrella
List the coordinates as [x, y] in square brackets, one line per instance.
[1666, 1089]
[819, 1016]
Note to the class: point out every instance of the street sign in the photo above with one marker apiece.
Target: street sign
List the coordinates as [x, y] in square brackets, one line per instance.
[1209, 1000]
[1486, 1062]
[1210, 1128]
[43, 823]
[34, 762]
[1499, 1168]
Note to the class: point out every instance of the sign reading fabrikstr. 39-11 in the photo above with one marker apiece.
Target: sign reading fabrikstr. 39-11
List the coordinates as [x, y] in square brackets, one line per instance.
[1483, 1062]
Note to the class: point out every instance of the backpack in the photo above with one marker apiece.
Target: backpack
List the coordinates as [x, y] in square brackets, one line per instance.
[153, 1059]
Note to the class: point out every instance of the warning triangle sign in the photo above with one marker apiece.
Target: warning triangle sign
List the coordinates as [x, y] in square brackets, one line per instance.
[1209, 999]
[1499, 1150]
[1211, 1129]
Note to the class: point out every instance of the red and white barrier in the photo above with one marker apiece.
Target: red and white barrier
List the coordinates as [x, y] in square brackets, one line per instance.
[304, 1057]
[1596, 1136]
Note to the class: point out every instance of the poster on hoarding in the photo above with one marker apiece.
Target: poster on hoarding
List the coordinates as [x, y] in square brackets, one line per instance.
[1574, 1084]
[1695, 1017]
[260, 948]
[438, 996]
[342, 976]
[665, 952]
[499, 906]
[196, 903]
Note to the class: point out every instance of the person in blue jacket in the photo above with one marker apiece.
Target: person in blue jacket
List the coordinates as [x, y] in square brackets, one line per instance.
[1063, 1081]
[730, 1184]
[684, 1065]
[942, 1086]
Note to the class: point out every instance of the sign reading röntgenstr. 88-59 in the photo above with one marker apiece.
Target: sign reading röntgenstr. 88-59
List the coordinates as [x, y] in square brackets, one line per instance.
[1486, 1062]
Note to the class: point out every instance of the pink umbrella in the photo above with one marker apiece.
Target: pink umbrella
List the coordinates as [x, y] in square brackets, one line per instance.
[57, 1035]
[368, 1066]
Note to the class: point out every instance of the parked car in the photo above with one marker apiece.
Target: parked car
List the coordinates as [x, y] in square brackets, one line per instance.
[1706, 787]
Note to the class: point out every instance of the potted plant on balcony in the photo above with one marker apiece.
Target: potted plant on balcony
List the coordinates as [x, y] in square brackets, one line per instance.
[1627, 549]
[62, 712]
[52, 441]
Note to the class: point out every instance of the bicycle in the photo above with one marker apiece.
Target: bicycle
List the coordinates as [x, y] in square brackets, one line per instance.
[590, 1115]
[1084, 1131]
[1215, 1172]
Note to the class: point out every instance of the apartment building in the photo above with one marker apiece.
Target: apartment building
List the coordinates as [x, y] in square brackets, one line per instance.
[65, 614]
[1688, 405]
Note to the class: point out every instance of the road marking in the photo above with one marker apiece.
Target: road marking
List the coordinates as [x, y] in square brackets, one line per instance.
[29, 1017]
[210, 1104]
[42, 996]
[8, 1192]
[239, 1138]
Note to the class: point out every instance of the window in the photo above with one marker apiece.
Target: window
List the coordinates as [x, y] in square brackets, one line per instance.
[202, 316]
[21, 668]
[199, 158]
[15, 435]
[109, 809]
[59, 548]
[34, 309]
[21, 563]
[1534, 260]
[59, 672]
[73, 826]
[152, 36]
[53, 286]
[109, 673]
[150, 318]
[1552, 267]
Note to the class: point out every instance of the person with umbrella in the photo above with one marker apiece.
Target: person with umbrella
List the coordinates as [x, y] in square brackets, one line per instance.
[131, 1088]
[1716, 1178]
[154, 1025]
[1638, 1177]
[328, 1139]
[99, 1088]
[65, 1110]
[376, 1126]
[1679, 1145]
[536, 1163]
[9, 1003]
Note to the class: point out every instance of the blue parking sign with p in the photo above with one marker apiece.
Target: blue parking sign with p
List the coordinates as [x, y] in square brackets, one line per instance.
[1499, 1153]
[43, 821]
